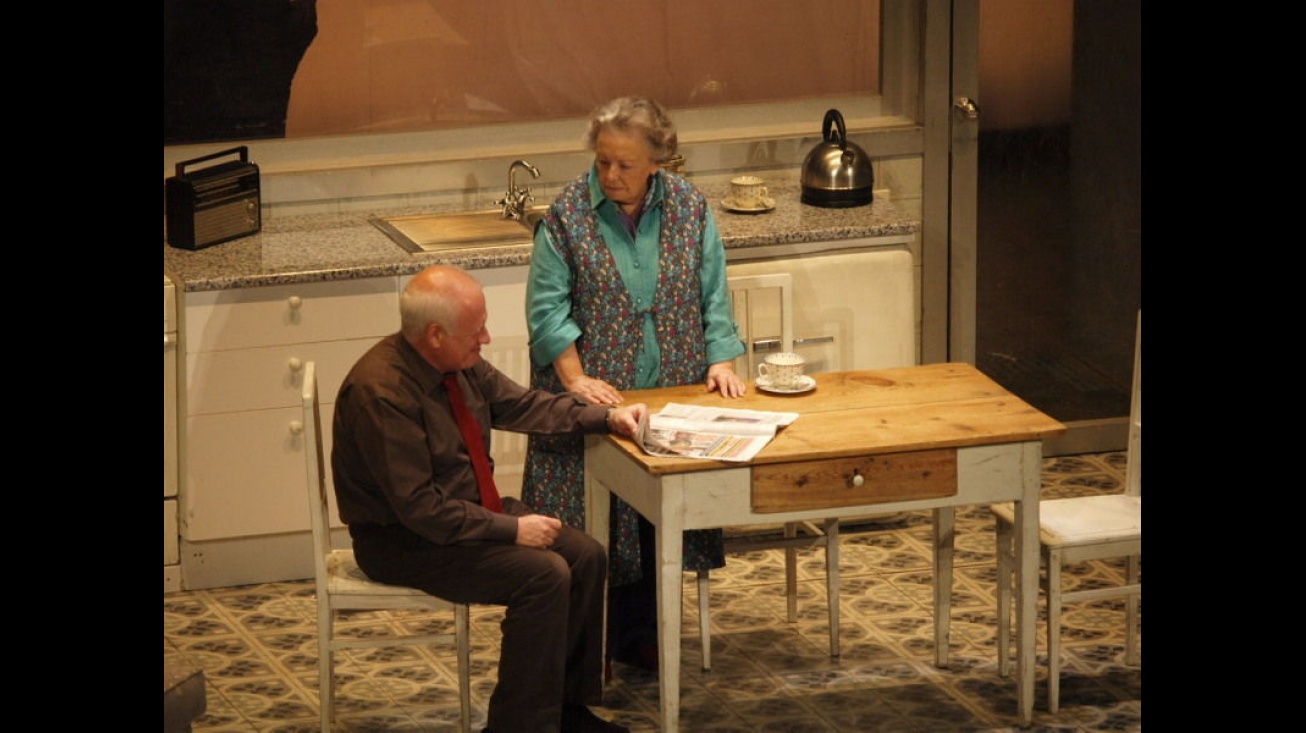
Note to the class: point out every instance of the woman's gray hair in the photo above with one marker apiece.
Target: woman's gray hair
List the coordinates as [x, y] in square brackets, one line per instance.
[637, 115]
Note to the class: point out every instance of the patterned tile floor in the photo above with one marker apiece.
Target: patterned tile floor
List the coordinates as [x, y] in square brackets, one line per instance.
[256, 645]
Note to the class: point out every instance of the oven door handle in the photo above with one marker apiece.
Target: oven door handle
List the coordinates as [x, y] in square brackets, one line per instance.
[773, 343]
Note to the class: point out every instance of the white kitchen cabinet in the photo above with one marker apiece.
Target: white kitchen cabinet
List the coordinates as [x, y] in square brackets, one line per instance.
[244, 507]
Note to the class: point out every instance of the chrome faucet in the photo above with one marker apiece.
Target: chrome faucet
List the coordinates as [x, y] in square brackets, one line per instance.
[515, 201]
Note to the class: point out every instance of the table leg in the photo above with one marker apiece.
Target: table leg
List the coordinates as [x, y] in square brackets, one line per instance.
[598, 503]
[670, 547]
[832, 581]
[944, 532]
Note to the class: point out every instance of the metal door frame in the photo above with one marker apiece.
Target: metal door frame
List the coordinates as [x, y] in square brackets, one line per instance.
[950, 195]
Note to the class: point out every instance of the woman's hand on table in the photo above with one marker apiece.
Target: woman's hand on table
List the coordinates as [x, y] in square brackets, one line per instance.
[721, 378]
[594, 391]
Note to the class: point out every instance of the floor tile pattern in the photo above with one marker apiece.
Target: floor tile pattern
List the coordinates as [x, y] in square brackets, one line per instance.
[256, 645]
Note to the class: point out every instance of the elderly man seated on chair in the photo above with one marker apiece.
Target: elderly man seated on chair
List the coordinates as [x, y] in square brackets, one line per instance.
[413, 482]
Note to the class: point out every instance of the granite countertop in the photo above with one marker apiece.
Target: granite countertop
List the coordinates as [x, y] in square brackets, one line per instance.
[316, 248]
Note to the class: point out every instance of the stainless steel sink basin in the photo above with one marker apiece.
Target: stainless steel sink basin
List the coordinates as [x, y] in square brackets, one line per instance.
[464, 230]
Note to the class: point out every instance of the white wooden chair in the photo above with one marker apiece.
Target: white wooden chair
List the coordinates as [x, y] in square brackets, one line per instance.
[342, 586]
[769, 299]
[1080, 529]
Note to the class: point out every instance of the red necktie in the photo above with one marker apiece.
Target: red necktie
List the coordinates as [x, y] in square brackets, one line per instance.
[471, 431]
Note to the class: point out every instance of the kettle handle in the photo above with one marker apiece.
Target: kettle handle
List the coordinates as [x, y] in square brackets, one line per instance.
[836, 117]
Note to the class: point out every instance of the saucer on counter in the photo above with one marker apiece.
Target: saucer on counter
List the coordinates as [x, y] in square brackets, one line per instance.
[805, 384]
[731, 205]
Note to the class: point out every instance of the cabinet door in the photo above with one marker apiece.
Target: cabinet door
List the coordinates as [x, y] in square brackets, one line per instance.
[171, 537]
[245, 474]
[170, 417]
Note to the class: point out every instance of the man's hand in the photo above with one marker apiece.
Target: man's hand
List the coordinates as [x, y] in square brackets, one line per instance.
[537, 530]
[625, 420]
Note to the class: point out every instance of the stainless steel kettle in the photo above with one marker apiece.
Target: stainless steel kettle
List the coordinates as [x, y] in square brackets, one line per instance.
[837, 174]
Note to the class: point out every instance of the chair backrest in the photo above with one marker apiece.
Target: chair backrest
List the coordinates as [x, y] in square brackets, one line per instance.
[757, 309]
[1134, 449]
[318, 503]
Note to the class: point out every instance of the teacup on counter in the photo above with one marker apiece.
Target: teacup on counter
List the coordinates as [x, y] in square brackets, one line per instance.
[748, 192]
[782, 371]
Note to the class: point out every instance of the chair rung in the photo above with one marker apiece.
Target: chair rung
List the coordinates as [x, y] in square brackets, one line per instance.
[1095, 593]
[396, 640]
[740, 545]
[773, 530]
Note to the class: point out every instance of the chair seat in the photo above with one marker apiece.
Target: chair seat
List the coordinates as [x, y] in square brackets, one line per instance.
[1089, 519]
[345, 577]
[1083, 519]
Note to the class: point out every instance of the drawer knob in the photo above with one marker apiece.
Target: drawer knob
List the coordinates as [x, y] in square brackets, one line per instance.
[296, 363]
[295, 301]
[858, 478]
[296, 427]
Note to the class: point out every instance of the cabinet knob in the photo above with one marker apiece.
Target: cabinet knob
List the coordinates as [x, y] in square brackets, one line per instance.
[858, 478]
[295, 301]
[295, 363]
[296, 427]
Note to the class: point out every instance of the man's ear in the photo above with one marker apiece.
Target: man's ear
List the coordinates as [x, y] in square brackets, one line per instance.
[435, 335]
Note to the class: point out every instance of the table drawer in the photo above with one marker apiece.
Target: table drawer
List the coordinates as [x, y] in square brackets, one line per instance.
[884, 478]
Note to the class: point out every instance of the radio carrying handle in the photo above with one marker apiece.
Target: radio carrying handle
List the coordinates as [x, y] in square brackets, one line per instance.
[244, 158]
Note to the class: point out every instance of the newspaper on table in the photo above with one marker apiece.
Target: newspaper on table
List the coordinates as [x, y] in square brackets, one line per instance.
[714, 433]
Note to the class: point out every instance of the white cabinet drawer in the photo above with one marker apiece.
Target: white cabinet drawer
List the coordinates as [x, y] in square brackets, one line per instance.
[246, 475]
[258, 379]
[287, 314]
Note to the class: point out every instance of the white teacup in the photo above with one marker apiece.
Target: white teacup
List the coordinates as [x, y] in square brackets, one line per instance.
[748, 192]
[783, 370]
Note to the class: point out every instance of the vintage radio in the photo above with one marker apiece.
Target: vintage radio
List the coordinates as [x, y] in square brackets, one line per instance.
[214, 204]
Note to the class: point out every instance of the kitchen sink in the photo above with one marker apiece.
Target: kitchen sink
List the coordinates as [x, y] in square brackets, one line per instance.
[463, 230]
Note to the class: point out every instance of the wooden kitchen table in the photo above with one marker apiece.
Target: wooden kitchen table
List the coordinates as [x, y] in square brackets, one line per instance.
[934, 437]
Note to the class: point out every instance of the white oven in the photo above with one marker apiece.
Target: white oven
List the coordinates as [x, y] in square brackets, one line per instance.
[854, 301]
[171, 537]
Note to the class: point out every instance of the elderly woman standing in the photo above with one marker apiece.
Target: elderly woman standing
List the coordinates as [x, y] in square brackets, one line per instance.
[627, 291]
